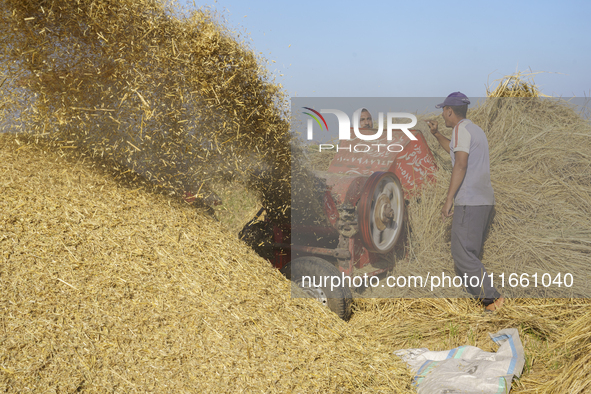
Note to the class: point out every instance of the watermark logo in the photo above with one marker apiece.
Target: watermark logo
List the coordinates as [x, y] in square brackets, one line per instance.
[316, 119]
[345, 124]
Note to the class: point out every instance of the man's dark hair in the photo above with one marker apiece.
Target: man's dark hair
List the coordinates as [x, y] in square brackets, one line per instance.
[460, 110]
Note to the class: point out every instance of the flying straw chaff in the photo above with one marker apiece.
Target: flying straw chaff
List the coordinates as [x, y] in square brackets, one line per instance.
[171, 94]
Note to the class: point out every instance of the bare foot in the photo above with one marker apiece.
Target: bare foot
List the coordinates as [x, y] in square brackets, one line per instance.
[495, 306]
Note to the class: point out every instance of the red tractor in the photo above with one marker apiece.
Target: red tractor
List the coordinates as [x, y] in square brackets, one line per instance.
[358, 223]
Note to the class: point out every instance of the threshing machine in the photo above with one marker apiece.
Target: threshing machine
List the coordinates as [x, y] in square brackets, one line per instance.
[359, 225]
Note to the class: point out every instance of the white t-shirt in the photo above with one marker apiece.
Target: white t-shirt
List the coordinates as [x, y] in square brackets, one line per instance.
[476, 188]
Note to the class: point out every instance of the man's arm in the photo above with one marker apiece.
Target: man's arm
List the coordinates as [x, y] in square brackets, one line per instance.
[443, 140]
[457, 177]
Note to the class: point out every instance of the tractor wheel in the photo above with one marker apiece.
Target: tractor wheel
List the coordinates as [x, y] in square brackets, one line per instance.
[380, 212]
[337, 300]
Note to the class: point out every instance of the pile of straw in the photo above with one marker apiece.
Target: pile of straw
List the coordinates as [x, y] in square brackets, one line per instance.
[106, 286]
[541, 175]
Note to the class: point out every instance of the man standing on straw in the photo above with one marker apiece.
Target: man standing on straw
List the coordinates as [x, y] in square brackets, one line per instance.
[472, 193]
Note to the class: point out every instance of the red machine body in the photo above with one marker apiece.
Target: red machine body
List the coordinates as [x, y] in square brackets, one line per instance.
[413, 165]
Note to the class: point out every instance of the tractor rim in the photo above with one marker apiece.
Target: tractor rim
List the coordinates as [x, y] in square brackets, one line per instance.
[381, 210]
[315, 292]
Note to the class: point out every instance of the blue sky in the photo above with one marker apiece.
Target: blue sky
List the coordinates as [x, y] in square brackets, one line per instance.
[415, 49]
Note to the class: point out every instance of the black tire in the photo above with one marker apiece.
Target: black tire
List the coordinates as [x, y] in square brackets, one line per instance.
[337, 299]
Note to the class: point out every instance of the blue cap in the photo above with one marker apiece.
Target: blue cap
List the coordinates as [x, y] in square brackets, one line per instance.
[456, 98]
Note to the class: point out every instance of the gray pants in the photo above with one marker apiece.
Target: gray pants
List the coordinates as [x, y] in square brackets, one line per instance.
[468, 228]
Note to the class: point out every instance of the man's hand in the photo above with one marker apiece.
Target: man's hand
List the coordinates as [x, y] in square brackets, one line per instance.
[443, 140]
[433, 124]
[446, 210]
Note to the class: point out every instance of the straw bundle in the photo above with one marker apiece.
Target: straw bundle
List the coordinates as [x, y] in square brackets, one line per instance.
[520, 84]
[106, 286]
